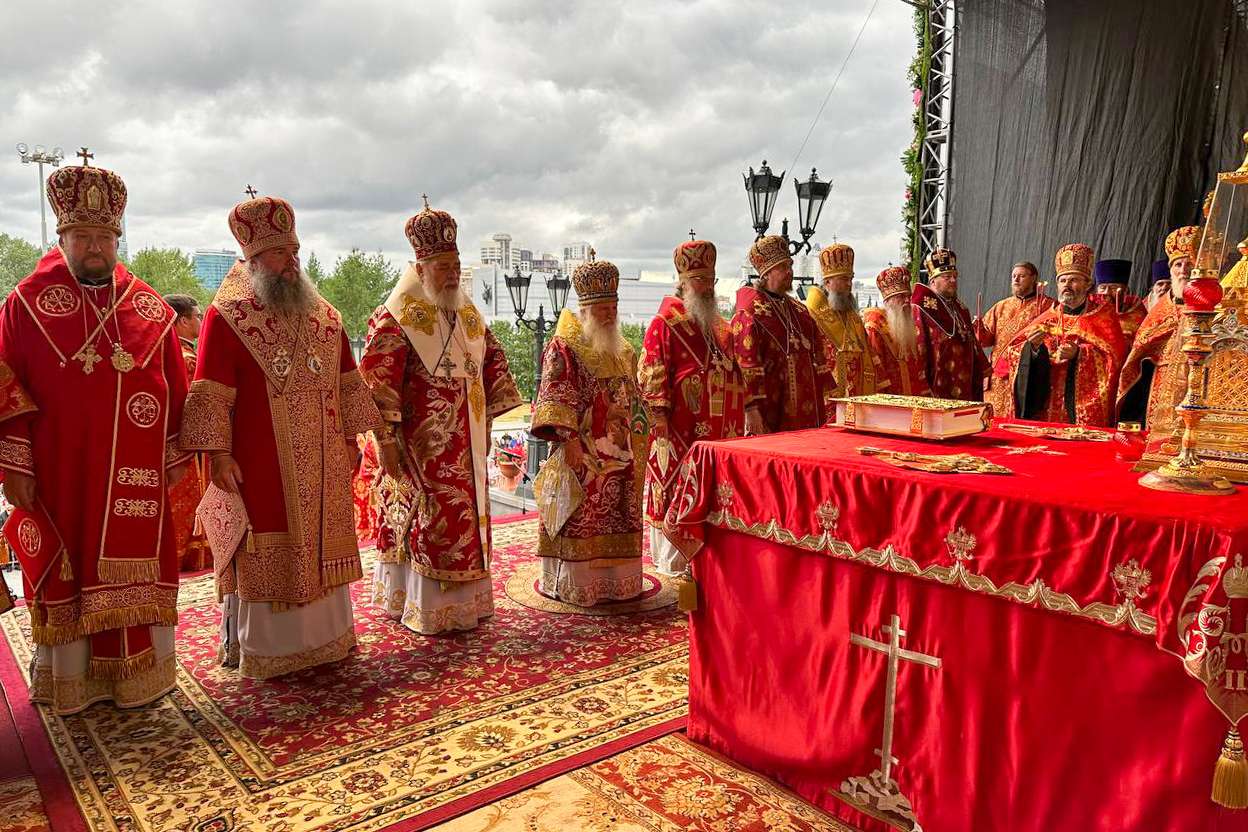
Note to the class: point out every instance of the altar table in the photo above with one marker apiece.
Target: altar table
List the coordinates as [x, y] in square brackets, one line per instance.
[1067, 657]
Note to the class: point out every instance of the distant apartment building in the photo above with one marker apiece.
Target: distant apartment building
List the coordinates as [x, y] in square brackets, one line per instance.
[497, 251]
[211, 266]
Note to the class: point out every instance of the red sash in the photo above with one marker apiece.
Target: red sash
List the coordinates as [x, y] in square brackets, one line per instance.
[135, 504]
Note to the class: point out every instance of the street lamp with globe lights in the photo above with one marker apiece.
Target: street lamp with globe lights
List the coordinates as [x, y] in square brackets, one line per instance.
[763, 187]
[41, 156]
[557, 290]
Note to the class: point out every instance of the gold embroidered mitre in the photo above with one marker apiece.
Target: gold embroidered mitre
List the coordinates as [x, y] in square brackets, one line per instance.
[836, 260]
[263, 223]
[895, 280]
[596, 281]
[1075, 258]
[695, 258]
[769, 252]
[83, 196]
[941, 261]
[1182, 242]
[432, 233]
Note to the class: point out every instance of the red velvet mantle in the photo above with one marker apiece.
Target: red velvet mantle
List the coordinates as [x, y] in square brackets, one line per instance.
[1064, 600]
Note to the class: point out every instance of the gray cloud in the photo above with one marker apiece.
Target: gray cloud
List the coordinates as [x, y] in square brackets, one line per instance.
[623, 124]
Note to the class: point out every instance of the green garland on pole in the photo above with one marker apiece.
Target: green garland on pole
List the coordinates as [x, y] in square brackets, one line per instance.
[911, 254]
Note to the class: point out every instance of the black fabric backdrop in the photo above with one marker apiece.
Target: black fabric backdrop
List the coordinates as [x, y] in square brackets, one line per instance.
[1100, 122]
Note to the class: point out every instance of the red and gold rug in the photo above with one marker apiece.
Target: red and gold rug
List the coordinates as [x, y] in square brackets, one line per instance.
[666, 785]
[406, 732]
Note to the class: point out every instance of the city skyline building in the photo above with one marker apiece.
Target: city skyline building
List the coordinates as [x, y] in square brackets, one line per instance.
[212, 265]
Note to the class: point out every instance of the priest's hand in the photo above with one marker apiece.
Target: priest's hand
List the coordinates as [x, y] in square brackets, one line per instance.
[1037, 338]
[754, 425]
[572, 454]
[226, 474]
[390, 459]
[19, 489]
[177, 472]
[1066, 352]
[658, 428]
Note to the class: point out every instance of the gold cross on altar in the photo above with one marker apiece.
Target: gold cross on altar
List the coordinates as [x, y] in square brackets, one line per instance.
[86, 156]
[896, 655]
[250, 191]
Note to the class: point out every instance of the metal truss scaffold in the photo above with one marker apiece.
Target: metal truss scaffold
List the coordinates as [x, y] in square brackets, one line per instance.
[936, 149]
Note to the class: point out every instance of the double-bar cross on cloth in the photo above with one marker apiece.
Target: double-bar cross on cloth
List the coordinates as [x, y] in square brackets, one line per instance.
[896, 655]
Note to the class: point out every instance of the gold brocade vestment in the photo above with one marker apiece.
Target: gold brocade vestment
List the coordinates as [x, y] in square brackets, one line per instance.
[845, 340]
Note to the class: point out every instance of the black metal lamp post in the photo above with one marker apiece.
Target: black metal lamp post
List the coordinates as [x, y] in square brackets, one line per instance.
[557, 289]
[762, 188]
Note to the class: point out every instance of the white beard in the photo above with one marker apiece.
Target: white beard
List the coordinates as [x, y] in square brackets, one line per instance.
[901, 327]
[703, 310]
[448, 300]
[601, 338]
[283, 297]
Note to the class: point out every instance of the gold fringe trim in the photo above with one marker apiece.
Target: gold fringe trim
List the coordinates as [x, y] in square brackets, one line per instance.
[128, 668]
[97, 622]
[1230, 774]
[128, 571]
[341, 571]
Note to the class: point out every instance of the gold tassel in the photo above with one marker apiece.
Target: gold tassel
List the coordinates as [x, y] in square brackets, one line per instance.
[686, 595]
[251, 541]
[1230, 775]
[198, 528]
[67, 570]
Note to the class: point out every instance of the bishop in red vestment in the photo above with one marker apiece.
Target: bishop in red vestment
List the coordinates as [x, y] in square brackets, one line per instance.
[956, 365]
[690, 384]
[277, 401]
[193, 552]
[1001, 323]
[588, 402]
[779, 347]
[439, 377]
[88, 469]
[1154, 375]
[899, 355]
[1064, 366]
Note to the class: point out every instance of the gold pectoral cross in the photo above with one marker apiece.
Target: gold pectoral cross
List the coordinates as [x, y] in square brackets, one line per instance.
[89, 358]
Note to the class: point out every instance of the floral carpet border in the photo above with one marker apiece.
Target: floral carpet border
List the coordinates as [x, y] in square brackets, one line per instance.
[84, 790]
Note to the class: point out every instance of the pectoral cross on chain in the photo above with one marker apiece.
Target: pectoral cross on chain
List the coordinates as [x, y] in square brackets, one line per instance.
[447, 365]
[879, 789]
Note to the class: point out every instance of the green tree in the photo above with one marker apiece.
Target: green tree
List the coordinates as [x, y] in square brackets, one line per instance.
[17, 259]
[517, 344]
[359, 284]
[633, 334]
[169, 271]
[314, 270]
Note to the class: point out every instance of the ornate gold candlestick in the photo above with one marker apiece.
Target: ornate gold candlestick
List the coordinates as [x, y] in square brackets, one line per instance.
[1186, 472]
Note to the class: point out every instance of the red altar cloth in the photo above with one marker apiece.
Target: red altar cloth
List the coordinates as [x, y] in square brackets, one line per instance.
[1061, 702]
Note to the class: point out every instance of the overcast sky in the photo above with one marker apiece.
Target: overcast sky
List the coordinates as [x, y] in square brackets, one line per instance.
[618, 123]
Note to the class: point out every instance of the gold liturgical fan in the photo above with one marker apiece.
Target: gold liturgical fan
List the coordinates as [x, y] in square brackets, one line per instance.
[1209, 448]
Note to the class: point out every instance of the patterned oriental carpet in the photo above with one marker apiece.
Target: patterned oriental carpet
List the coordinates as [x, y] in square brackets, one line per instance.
[407, 732]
